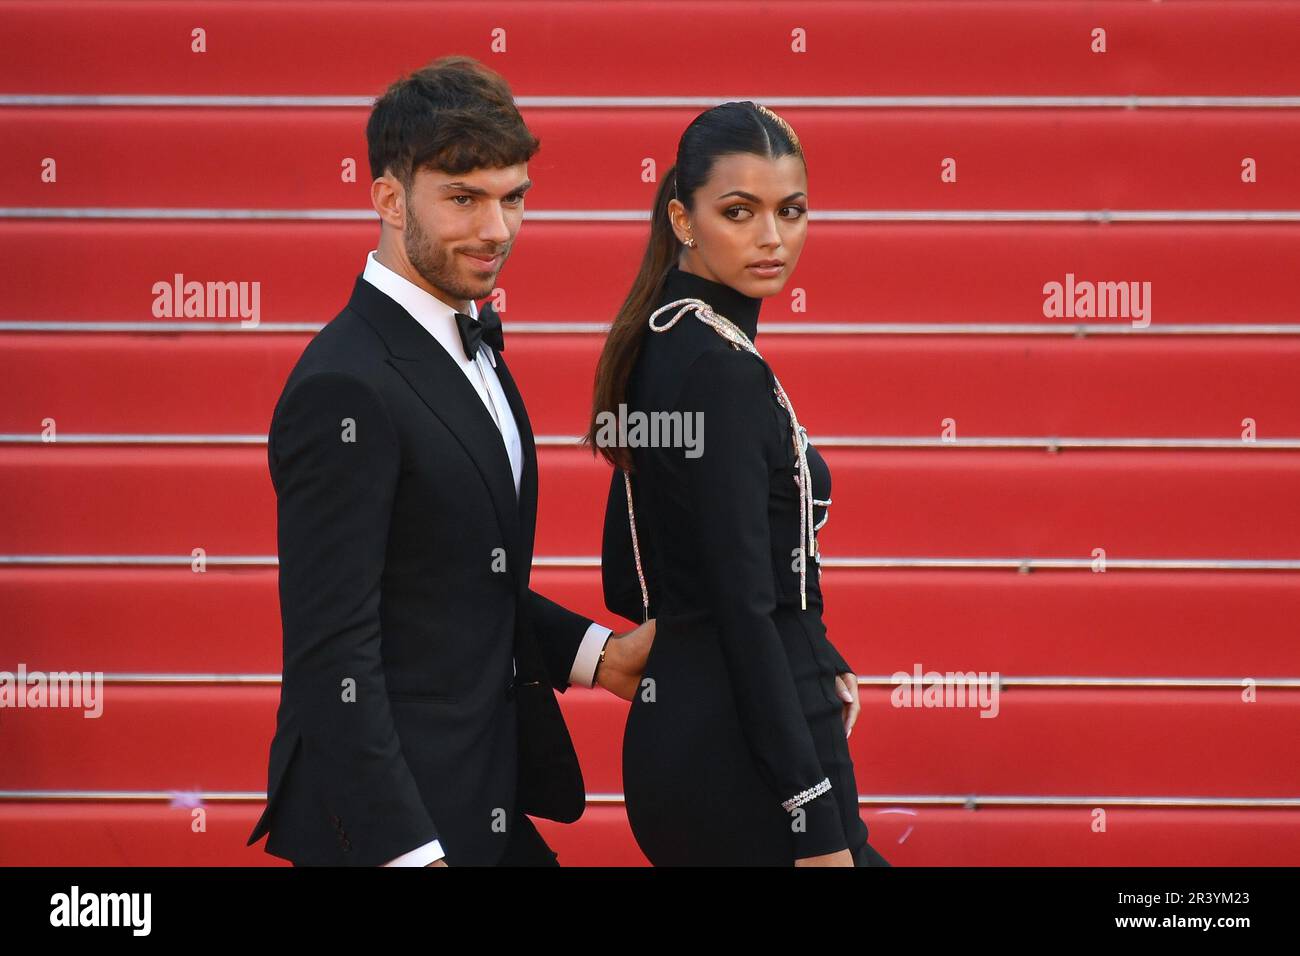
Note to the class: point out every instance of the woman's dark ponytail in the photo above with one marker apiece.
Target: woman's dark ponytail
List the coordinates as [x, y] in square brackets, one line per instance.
[623, 344]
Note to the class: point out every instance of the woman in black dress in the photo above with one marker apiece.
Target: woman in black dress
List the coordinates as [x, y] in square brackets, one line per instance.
[735, 750]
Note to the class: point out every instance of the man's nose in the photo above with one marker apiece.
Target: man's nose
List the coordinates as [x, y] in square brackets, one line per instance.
[494, 227]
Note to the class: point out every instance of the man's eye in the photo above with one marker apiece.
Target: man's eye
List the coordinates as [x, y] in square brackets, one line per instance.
[512, 200]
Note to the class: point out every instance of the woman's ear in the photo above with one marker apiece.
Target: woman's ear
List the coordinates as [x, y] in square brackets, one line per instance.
[679, 219]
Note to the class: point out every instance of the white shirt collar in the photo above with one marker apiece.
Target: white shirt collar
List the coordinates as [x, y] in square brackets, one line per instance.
[436, 316]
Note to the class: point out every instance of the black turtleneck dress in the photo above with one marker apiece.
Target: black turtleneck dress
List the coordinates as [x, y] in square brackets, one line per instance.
[737, 711]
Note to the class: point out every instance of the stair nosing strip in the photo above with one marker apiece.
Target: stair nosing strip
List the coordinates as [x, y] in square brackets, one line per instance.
[968, 801]
[167, 679]
[343, 214]
[1023, 565]
[827, 441]
[813, 329]
[897, 101]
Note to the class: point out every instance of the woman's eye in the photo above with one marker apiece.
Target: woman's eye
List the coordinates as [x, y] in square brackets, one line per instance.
[798, 211]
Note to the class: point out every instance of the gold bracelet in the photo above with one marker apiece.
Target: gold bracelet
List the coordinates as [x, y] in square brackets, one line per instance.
[601, 660]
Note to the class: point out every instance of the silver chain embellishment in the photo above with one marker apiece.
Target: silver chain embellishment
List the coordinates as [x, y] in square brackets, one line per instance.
[636, 549]
[803, 478]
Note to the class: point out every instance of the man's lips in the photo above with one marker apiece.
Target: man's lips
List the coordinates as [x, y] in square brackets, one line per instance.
[482, 264]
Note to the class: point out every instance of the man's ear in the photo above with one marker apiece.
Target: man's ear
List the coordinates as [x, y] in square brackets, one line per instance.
[389, 200]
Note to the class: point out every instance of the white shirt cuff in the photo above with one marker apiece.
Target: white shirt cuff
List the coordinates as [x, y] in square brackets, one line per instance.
[420, 856]
[584, 664]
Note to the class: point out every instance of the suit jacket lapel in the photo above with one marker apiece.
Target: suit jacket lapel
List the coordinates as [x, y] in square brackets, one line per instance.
[528, 479]
[440, 383]
[528, 655]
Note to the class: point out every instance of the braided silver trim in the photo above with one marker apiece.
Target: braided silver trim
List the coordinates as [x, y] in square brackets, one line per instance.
[636, 549]
[803, 477]
[826, 517]
[801, 798]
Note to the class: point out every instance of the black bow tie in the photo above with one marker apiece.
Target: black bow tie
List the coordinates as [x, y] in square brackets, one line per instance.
[486, 328]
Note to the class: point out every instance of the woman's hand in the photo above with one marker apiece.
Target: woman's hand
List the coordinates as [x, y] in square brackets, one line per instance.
[847, 685]
[625, 657]
[838, 858]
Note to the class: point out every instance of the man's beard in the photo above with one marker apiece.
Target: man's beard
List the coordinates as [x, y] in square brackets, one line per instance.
[438, 266]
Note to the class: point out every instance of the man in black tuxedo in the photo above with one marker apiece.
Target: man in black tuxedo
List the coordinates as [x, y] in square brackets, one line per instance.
[418, 722]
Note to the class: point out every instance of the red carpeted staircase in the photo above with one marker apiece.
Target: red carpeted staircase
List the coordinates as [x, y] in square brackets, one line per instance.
[1149, 713]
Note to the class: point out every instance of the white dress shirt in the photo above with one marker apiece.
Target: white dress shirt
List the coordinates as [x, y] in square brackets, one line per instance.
[439, 320]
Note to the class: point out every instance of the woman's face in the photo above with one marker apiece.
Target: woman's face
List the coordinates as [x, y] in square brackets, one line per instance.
[751, 211]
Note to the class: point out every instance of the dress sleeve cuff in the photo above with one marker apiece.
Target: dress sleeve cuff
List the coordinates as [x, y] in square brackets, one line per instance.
[820, 829]
[584, 663]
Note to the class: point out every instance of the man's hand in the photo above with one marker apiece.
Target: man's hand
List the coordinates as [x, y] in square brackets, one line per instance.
[441, 861]
[838, 858]
[846, 685]
[625, 656]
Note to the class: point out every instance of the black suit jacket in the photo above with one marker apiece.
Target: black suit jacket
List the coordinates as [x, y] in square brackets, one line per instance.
[404, 596]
